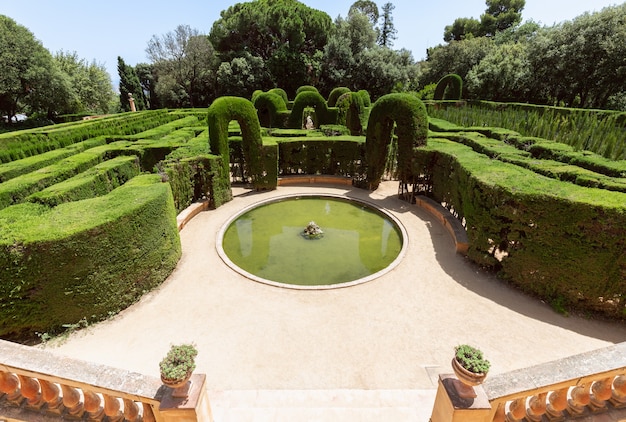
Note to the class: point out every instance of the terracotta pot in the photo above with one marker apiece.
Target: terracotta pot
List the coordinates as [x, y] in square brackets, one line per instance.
[466, 377]
[175, 383]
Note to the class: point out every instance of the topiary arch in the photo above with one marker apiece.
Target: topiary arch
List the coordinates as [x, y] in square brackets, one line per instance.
[335, 94]
[220, 113]
[449, 87]
[270, 109]
[325, 116]
[411, 127]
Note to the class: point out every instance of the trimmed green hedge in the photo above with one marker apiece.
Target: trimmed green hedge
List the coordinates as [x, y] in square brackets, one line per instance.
[325, 115]
[22, 144]
[563, 242]
[599, 131]
[26, 165]
[408, 114]
[281, 93]
[335, 94]
[96, 181]
[221, 112]
[66, 264]
[339, 156]
[271, 110]
[450, 87]
[306, 88]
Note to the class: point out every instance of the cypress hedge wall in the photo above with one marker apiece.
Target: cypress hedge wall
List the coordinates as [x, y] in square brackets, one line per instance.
[271, 110]
[335, 94]
[22, 144]
[308, 98]
[65, 264]
[450, 87]
[220, 113]
[560, 241]
[408, 114]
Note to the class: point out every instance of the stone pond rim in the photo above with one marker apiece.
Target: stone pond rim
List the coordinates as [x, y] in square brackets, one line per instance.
[384, 214]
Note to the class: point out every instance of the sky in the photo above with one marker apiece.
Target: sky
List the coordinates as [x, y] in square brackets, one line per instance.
[101, 31]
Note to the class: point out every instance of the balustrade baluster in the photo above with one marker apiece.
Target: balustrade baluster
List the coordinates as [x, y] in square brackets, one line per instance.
[580, 399]
[601, 392]
[112, 408]
[71, 400]
[131, 411]
[557, 403]
[500, 415]
[30, 390]
[93, 406]
[10, 385]
[148, 413]
[618, 398]
[536, 407]
[51, 394]
[517, 410]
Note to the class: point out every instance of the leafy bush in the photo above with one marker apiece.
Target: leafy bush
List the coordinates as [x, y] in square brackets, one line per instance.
[179, 362]
[471, 359]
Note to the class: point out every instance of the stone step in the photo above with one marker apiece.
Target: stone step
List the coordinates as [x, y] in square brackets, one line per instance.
[322, 405]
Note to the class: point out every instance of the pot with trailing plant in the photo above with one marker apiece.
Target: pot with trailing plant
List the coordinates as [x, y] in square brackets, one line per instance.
[470, 367]
[178, 365]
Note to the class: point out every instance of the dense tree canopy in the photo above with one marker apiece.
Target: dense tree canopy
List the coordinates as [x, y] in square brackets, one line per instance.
[26, 68]
[90, 82]
[576, 63]
[499, 16]
[184, 65]
[129, 85]
[285, 34]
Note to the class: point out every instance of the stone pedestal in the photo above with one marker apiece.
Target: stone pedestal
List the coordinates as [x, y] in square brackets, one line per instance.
[193, 408]
[451, 407]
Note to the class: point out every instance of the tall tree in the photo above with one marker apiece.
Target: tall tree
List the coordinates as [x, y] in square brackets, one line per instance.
[90, 81]
[147, 79]
[461, 29]
[129, 84]
[455, 57]
[583, 61]
[26, 67]
[285, 34]
[185, 63]
[349, 39]
[366, 7]
[387, 29]
[501, 15]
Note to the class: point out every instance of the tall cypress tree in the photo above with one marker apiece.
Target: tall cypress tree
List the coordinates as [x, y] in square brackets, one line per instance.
[129, 84]
[387, 29]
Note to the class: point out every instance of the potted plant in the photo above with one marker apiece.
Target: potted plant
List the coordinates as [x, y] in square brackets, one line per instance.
[178, 365]
[470, 367]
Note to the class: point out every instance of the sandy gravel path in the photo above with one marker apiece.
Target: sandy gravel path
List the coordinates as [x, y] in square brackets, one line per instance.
[395, 332]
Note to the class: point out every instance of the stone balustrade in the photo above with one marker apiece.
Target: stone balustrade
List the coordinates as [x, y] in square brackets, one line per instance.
[38, 385]
[577, 386]
[589, 386]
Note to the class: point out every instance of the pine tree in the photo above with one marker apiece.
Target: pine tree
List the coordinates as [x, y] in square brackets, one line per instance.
[387, 30]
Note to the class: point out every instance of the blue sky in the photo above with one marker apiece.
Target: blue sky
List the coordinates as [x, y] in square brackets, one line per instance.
[103, 30]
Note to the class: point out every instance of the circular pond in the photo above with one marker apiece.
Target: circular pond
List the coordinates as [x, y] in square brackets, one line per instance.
[312, 242]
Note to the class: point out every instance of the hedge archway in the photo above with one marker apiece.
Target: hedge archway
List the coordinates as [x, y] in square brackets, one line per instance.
[454, 86]
[335, 94]
[269, 108]
[220, 113]
[313, 99]
[411, 120]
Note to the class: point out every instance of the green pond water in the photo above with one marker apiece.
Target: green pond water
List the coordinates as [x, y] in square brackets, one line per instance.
[267, 241]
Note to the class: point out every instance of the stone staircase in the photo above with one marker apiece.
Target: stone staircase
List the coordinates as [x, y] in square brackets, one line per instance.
[322, 405]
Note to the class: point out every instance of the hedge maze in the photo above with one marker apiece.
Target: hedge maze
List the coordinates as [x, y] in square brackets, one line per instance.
[88, 210]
